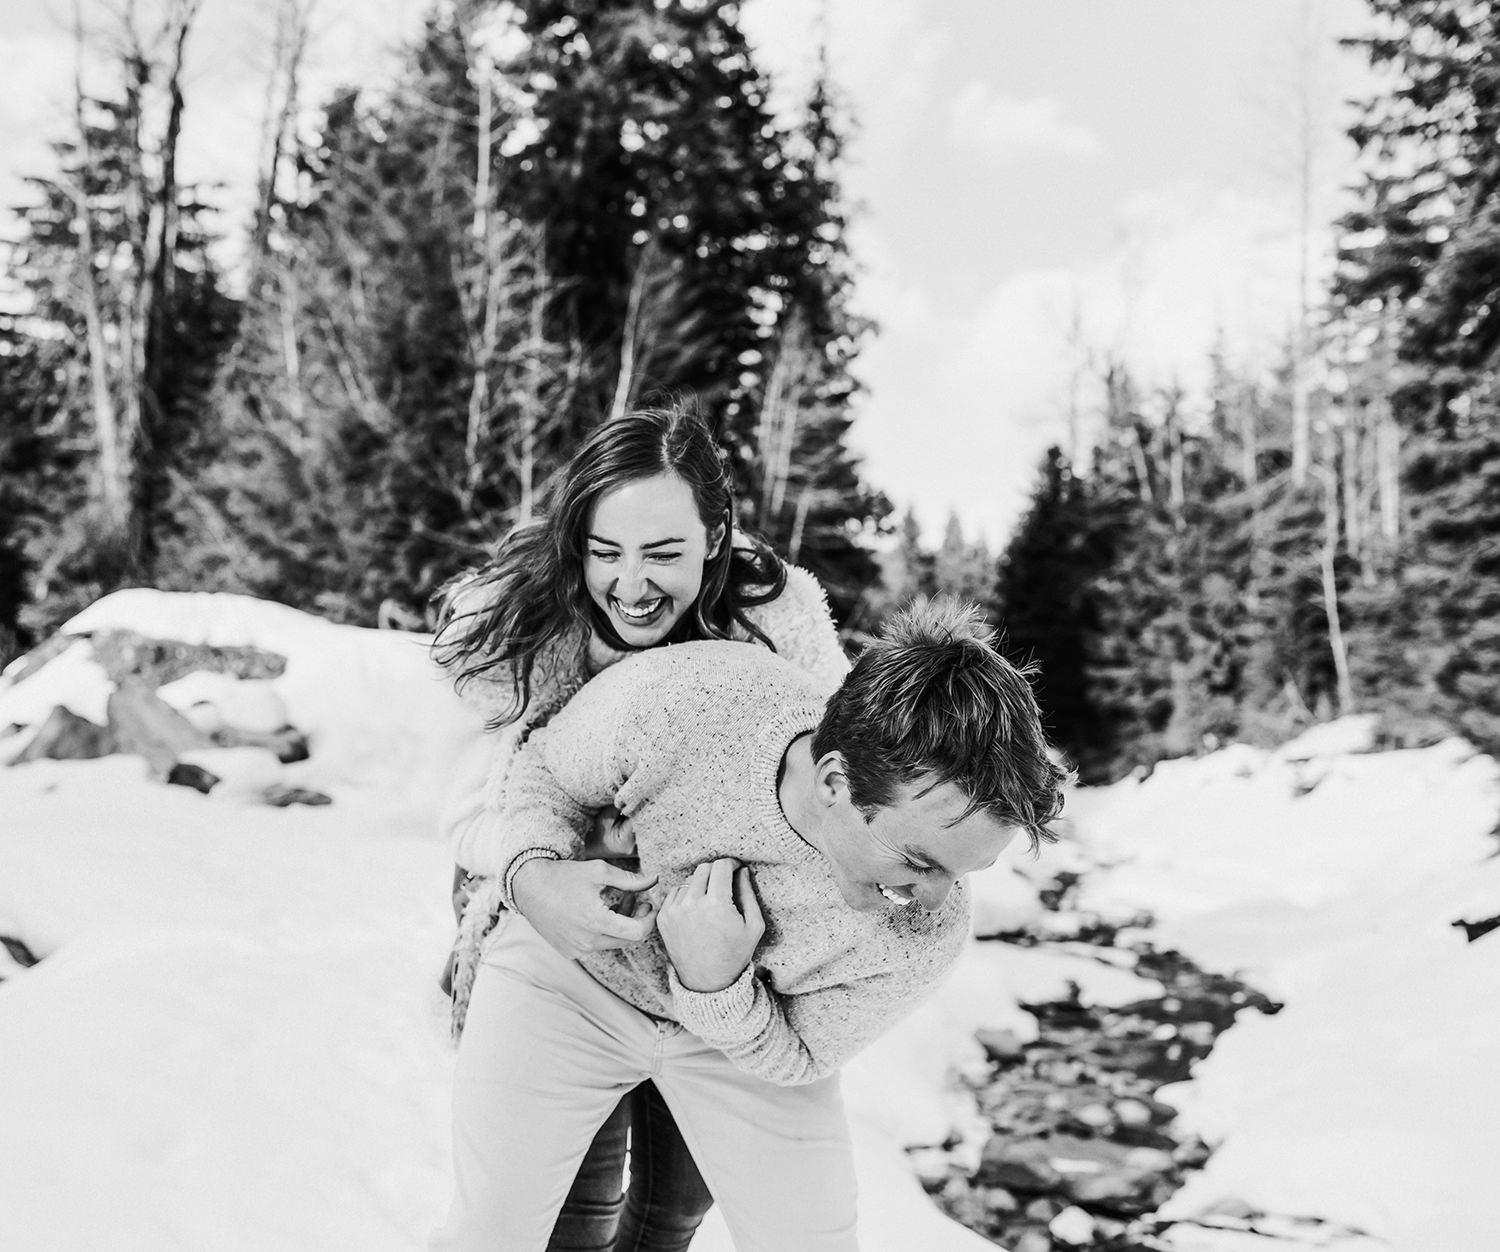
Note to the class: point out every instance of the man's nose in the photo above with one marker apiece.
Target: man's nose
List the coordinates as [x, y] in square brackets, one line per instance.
[932, 891]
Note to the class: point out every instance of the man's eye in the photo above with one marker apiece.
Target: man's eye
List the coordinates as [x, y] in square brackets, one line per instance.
[915, 868]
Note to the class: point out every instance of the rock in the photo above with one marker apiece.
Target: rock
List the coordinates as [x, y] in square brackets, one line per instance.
[1192, 1154]
[1114, 1191]
[1043, 1209]
[1478, 929]
[1032, 1241]
[1152, 1161]
[64, 736]
[183, 774]
[289, 744]
[18, 952]
[1003, 1046]
[244, 773]
[129, 656]
[1094, 1116]
[1130, 1112]
[1003, 1165]
[930, 1165]
[146, 725]
[1073, 1226]
[999, 1200]
[280, 796]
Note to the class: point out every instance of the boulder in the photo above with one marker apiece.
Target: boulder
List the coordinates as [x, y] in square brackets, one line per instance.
[1008, 1165]
[288, 743]
[280, 796]
[146, 725]
[64, 736]
[1073, 1227]
[184, 774]
[1002, 1045]
[18, 952]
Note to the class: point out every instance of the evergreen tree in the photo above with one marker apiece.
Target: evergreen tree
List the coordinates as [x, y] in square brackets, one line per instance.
[1423, 263]
[962, 568]
[1049, 610]
[124, 319]
[560, 212]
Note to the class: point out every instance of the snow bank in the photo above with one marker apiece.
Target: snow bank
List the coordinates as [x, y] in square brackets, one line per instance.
[377, 713]
[1371, 1100]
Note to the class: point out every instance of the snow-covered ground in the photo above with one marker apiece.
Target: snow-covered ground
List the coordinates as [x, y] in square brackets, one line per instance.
[235, 1039]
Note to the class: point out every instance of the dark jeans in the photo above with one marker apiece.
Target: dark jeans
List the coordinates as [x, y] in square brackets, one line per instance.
[666, 1199]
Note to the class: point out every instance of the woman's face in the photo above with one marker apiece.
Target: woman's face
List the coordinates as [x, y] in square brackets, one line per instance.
[643, 562]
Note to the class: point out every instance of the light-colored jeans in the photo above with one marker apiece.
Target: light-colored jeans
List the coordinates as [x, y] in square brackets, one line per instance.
[547, 1054]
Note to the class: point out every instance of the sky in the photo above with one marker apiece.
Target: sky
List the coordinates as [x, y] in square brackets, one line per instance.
[1039, 187]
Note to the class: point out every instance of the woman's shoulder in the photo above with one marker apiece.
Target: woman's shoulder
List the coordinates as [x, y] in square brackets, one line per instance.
[800, 626]
[800, 599]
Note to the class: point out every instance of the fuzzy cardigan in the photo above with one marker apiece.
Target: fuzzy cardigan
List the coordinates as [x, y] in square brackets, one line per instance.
[798, 622]
[688, 742]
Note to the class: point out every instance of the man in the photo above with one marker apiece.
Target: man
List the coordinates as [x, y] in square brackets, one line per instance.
[857, 816]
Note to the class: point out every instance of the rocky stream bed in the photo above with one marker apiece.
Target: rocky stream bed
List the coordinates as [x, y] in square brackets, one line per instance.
[1080, 1152]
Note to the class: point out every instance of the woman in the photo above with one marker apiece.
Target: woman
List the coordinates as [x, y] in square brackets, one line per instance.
[637, 550]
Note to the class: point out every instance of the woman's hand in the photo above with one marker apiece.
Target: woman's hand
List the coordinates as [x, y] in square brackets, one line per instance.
[711, 925]
[569, 903]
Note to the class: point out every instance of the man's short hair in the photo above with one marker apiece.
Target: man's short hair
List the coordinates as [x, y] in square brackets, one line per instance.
[932, 701]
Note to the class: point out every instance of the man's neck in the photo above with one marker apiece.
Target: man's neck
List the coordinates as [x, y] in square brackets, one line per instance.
[794, 790]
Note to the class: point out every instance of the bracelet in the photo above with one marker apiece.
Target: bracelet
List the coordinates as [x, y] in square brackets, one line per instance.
[521, 858]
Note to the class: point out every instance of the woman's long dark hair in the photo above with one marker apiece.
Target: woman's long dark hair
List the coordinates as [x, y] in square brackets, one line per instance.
[533, 593]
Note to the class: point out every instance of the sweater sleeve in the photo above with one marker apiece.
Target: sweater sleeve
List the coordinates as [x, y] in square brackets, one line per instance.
[567, 770]
[795, 1039]
[470, 819]
[801, 626]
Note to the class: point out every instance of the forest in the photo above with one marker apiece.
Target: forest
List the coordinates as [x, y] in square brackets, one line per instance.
[562, 209]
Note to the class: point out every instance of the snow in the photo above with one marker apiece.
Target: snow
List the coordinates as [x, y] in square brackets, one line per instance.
[235, 1038]
[1372, 1100]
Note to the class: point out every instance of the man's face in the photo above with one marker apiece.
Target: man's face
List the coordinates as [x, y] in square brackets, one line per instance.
[911, 852]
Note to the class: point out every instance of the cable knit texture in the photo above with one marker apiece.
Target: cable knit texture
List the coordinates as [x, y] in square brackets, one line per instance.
[798, 622]
[688, 741]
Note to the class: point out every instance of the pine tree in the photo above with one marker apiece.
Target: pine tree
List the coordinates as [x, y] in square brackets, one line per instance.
[124, 318]
[1049, 612]
[1422, 266]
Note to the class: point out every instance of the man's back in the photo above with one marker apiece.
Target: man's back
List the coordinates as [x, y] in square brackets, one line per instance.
[688, 741]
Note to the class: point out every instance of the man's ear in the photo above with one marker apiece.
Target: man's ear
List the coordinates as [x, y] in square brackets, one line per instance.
[830, 782]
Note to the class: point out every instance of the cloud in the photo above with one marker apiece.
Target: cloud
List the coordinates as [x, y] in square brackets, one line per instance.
[885, 57]
[1004, 129]
[966, 431]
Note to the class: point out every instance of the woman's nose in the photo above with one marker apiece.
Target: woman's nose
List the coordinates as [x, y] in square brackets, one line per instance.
[632, 582]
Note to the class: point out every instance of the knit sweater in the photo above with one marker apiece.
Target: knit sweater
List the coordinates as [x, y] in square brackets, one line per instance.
[688, 741]
[797, 622]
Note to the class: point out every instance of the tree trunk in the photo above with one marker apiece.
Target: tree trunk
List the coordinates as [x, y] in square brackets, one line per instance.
[114, 494]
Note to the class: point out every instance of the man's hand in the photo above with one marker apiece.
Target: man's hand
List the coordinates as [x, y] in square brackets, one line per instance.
[711, 925]
[569, 904]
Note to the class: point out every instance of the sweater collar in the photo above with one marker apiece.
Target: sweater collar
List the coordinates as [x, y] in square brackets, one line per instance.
[776, 735]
